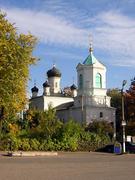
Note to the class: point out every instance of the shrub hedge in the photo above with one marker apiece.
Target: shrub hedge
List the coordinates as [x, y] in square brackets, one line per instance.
[66, 144]
[44, 132]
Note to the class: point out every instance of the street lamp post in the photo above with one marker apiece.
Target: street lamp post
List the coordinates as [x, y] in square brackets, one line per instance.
[82, 108]
[123, 116]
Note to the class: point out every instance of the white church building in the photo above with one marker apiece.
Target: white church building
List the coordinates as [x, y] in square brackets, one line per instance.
[86, 102]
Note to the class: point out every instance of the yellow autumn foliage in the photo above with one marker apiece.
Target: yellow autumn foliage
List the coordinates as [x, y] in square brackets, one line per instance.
[13, 128]
[15, 59]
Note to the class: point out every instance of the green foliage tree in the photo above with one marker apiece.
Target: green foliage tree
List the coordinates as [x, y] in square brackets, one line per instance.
[130, 108]
[100, 128]
[15, 58]
[44, 123]
[50, 124]
[70, 135]
[32, 118]
[115, 95]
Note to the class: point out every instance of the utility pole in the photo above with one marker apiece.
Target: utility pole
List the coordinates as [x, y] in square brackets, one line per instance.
[123, 116]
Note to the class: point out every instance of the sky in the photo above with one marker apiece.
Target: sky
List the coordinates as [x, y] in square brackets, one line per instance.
[65, 28]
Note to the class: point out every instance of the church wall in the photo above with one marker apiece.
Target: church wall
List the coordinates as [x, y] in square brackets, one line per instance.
[97, 91]
[42, 102]
[101, 101]
[72, 113]
[34, 94]
[55, 101]
[87, 72]
[54, 83]
[77, 114]
[100, 113]
[88, 81]
[63, 114]
[46, 91]
[89, 76]
[87, 114]
[37, 103]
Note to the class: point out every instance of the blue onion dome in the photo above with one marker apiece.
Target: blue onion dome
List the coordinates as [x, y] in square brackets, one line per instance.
[34, 89]
[73, 87]
[54, 72]
[46, 84]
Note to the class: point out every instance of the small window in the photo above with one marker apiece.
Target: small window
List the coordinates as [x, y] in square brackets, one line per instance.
[56, 84]
[101, 114]
[81, 81]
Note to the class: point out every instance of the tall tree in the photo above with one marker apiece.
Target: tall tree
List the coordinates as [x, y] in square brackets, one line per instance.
[130, 108]
[15, 59]
[115, 95]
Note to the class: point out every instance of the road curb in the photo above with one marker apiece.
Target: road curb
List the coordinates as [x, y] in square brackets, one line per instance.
[33, 153]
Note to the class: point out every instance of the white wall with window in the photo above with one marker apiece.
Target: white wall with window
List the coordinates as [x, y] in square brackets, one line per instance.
[54, 83]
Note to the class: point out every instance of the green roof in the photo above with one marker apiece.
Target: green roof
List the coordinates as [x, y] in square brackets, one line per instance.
[90, 59]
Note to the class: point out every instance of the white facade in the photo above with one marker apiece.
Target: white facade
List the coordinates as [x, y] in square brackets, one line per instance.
[54, 83]
[34, 94]
[88, 73]
[55, 101]
[43, 102]
[46, 91]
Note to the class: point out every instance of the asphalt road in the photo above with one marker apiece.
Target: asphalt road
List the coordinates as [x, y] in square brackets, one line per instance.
[69, 166]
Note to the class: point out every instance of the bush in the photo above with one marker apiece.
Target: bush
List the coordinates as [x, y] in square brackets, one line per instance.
[34, 144]
[52, 135]
[47, 145]
[100, 127]
[10, 142]
[25, 144]
[42, 146]
[50, 146]
[92, 141]
[69, 136]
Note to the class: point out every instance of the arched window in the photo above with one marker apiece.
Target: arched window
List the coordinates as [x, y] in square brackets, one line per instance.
[81, 81]
[98, 80]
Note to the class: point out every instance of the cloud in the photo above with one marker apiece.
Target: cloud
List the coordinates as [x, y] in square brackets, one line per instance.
[48, 28]
[113, 32]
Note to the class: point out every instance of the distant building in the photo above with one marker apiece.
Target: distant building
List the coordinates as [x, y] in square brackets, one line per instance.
[84, 104]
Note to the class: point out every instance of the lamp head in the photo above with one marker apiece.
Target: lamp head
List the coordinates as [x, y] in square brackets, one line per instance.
[124, 83]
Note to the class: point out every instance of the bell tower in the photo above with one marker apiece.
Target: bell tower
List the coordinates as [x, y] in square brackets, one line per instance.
[91, 78]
